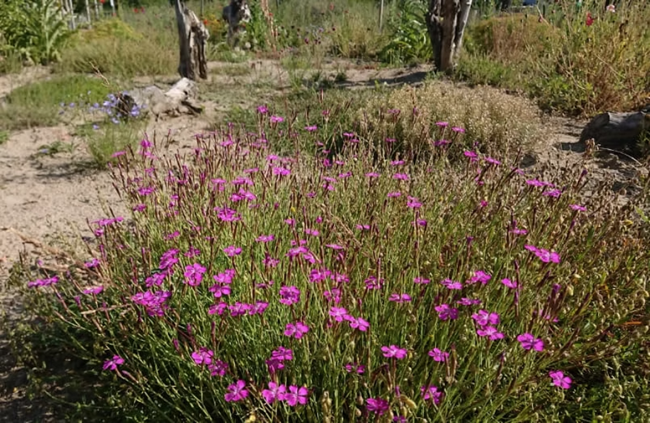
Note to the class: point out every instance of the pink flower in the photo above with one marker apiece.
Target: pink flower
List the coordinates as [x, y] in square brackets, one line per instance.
[510, 284]
[358, 323]
[479, 276]
[449, 284]
[276, 119]
[354, 367]
[559, 379]
[545, 256]
[281, 171]
[296, 395]
[338, 313]
[578, 207]
[421, 280]
[232, 251]
[218, 368]
[296, 330]
[289, 295]
[94, 290]
[202, 356]
[490, 332]
[438, 355]
[265, 238]
[394, 351]
[431, 393]
[236, 392]
[194, 274]
[311, 128]
[111, 364]
[400, 298]
[484, 318]
[401, 176]
[445, 312]
[377, 405]
[458, 129]
[528, 341]
[274, 393]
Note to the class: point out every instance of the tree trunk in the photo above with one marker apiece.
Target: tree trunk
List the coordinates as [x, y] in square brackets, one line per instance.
[446, 21]
[193, 37]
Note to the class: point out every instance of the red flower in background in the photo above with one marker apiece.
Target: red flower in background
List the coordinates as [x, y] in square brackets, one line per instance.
[590, 20]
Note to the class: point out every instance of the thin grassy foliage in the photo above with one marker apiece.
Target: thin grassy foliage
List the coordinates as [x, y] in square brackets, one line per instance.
[354, 286]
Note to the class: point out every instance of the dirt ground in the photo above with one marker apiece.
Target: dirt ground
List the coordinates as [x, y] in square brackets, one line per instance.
[47, 200]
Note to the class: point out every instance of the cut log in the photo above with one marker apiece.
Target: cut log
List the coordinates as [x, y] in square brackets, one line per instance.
[179, 99]
[618, 131]
[193, 37]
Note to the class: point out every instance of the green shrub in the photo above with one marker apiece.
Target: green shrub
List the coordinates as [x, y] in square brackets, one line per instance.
[185, 304]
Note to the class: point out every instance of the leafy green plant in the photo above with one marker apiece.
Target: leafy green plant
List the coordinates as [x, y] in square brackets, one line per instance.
[409, 41]
[35, 29]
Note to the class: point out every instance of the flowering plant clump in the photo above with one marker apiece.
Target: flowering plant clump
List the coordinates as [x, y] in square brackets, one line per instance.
[247, 284]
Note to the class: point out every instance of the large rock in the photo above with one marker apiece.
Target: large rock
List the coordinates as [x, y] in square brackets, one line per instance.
[619, 131]
[179, 99]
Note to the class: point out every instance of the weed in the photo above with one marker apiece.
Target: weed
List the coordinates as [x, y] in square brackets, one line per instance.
[4, 136]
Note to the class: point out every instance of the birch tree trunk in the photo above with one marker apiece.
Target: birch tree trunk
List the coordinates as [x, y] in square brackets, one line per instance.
[446, 22]
[193, 37]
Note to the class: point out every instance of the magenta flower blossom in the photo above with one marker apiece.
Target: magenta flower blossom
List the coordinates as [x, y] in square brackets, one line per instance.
[458, 129]
[528, 342]
[358, 323]
[421, 280]
[355, 368]
[281, 171]
[468, 301]
[401, 177]
[363, 227]
[442, 124]
[319, 275]
[545, 256]
[445, 312]
[470, 154]
[492, 161]
[490, 332]
[194, 274]
[258, 308]
[239, 309]
[218, 308]
[479, 276]
[413, 203]
[232, 251]
[276, 119]
[338, 313]
[372, 175]
[312, 232]
[236, 392]
[289, 295]
[227, 215]
[438, 355]
[559, 379]
[449, 284]
[282, 354]
[519, 231]
[400, 298]
[509, 283]
[394, 194]
[311, 128]
[431, 393]
[94, 290]
[296, 330]
[153, 302]
[262, 109]
[377, 405]
[334, 295]
[485, 318]
[112, 363]
[397, 162]
[202, 356]
[394, 351]
[296, 395]
[578, 207]
[274, 393]
[218, 368]
[91, 264]
[269, 261]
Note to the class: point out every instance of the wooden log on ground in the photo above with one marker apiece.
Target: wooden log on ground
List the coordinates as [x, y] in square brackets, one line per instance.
[193, 37]
[619, 131]
[179, 99]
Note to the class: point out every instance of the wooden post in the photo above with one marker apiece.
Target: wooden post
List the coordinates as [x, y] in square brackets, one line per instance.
[90, 22]
[446, 22]
[192, 37]
[381, 15]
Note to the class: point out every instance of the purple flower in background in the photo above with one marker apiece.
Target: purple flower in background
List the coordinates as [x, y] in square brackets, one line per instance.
[479, 276]
[218, 368]
[355, 368]
[281, 171]
[296, 330]
[453, 285]
[236, 392]
[218, 308]
[194, 274]
[92, 263]
[262, 109]
[431, 393]
[94, 290]
[509, 283]
[445, 312]
[274, 393]
[377, 405]
[559, 379]
[438, 355]
[289, 295]
[296, 395]
[112, 363]
[413, 203]
[489, 332]
[555, 193]
[265, 238]
[202, 356]
[276, 119]
[311, 128]
[401, 177]
[421, 280]
[400, 298]
[338, 313]
[528, 342]
[468, 302]
[578, 207]
[232, 251]
[358, 323]
[485, 318]
[394, 351]
[394, 194]
[545, 256]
